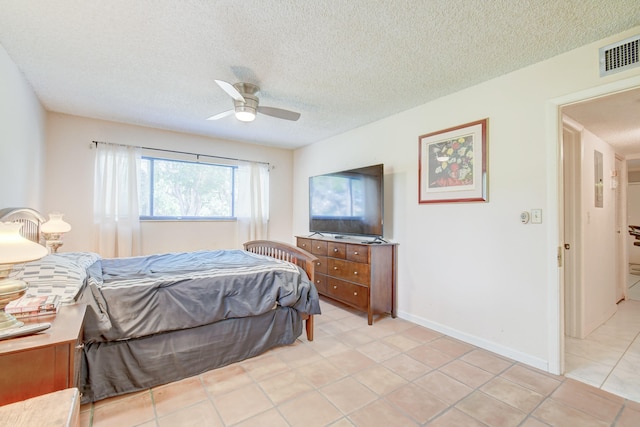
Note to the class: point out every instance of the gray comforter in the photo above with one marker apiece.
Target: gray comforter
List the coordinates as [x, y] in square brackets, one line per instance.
[141, 296]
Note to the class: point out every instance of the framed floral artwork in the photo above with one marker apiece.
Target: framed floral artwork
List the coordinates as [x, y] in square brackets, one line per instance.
[453, 164]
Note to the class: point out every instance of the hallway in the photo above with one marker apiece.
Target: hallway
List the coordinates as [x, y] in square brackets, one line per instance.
[633, 287]
[609, 358]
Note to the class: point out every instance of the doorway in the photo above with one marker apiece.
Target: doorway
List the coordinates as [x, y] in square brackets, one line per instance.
[608, 368]
[633, 218]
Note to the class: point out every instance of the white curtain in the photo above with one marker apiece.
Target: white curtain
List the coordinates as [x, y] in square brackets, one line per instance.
[252, 209]
[115, 201]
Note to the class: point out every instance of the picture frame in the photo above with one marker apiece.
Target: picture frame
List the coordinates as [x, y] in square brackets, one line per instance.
[452, 164]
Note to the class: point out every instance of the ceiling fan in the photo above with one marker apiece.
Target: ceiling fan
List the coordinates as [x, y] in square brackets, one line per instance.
[246, 106]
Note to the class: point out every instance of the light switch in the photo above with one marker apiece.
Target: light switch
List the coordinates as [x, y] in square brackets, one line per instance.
[536, 216]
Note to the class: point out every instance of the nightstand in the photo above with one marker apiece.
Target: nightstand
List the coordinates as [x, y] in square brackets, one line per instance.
[44, 362]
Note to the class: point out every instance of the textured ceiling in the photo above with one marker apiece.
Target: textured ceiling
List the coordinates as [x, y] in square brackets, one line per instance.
[613, 118]
[341, 64]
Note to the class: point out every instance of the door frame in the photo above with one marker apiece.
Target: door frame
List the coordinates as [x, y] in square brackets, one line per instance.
[622, 255]
[573, 303]
[555, 201]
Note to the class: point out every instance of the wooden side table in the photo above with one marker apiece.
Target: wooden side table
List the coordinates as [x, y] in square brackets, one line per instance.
[44, 362]
[60, 408]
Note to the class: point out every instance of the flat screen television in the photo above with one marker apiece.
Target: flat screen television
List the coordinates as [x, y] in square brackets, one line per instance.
[349, 202]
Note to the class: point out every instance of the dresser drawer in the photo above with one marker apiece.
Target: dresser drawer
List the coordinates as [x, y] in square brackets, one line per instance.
[337, 250]
[304, 243]
[348, 292]
[358, 253]
[318, 247]
[320, 265]
[321, 283]
[348, 270]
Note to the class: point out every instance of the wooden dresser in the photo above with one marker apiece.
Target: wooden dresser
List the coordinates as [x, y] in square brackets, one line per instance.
[360, 275]
[44, 362]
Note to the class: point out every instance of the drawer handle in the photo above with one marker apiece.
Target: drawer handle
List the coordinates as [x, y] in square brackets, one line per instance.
[355, 253]
[335, 268]
[355, 294]
[80, 346]
[355, 273]
[317, 247]
[317, 280]
[335, 287]
[335, 249]
[318, 263]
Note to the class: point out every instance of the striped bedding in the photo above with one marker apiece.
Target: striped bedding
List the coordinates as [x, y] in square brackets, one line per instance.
[62, 274]
[141, 296]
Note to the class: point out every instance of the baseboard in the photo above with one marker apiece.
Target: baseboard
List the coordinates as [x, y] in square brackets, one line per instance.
[478, 342]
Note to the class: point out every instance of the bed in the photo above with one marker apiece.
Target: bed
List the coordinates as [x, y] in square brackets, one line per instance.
[156, 319]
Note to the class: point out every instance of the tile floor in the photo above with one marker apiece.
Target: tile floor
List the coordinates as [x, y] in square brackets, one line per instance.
[609, 358]
[633, 284]
[393, 373]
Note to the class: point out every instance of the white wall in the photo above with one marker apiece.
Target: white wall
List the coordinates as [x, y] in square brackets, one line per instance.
[22, 136]
[473, 270]
[69, 184]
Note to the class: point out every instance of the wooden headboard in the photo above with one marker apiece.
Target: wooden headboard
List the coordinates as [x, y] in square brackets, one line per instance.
[285, 252]
[29, 218]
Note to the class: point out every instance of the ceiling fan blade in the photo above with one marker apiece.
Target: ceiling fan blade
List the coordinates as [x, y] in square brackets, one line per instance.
[221, 115]
[279, 113]
[232, 91]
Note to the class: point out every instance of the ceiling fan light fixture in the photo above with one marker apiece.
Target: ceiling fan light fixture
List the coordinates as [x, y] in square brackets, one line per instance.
[246, 110]
[246, 102]
[245, 115]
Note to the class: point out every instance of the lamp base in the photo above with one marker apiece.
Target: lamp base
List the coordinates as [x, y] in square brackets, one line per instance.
[8, 321]
[53, 245]
[10, 289]
[53, 241]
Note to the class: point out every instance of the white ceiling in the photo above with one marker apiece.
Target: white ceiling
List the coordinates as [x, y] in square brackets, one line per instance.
[341, 64]
[614, 118]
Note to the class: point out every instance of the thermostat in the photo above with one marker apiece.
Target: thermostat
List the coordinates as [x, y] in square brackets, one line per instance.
[524, 217]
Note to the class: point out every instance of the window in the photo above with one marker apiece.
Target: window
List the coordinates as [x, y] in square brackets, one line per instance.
[175, 189]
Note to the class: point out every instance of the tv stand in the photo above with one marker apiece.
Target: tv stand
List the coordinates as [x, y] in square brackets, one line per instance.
[358, 274]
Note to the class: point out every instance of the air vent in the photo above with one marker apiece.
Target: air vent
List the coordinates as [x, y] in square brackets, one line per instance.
[619, 56]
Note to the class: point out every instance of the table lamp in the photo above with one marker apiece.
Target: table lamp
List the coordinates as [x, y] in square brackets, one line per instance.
[53, 230]
[14, 249]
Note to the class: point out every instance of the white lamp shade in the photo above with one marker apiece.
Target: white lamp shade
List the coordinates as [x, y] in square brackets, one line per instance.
[55, 224]
[16, 249]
